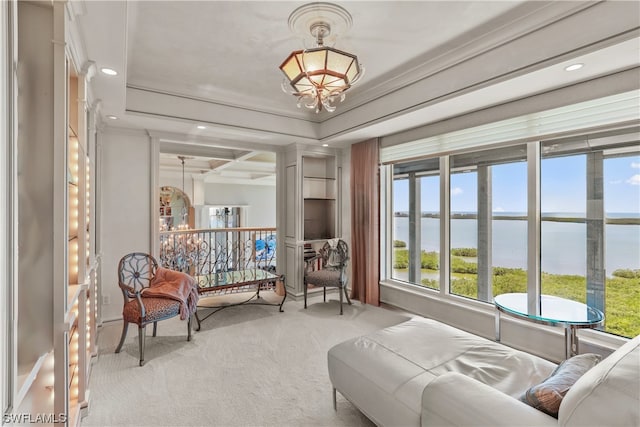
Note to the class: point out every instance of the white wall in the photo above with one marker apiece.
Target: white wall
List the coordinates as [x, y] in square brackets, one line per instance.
[260, 201]
[125, 205]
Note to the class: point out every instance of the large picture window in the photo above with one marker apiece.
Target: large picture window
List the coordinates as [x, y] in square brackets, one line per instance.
[588, 221]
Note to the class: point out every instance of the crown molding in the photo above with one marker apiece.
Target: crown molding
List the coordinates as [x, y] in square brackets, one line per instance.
[235, 101]
[74, 36]
[230, 120]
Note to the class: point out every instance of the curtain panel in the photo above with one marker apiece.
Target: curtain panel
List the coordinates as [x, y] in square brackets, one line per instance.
[365, 222]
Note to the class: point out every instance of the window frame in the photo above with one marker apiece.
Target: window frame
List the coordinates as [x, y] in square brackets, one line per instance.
[533, 159]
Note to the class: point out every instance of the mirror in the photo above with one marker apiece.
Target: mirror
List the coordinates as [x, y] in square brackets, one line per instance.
[176, 212]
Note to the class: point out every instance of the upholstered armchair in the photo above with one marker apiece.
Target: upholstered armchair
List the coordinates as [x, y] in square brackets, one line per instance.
[137, 273]
[328, 269]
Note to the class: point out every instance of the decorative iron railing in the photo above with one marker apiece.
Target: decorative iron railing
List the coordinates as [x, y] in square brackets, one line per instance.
[221, 257]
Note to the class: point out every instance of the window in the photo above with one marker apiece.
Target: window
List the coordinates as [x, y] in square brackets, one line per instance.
[563, 202]
[622, 244]
[416, 223]
[488, 225]
[589, 223]
[590, 199]
[464, 230]
[430, 230]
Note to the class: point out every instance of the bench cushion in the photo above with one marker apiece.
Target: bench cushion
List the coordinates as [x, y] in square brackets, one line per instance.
[385, 372]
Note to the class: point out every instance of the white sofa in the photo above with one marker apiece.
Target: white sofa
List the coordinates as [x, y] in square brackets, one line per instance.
[423, 372]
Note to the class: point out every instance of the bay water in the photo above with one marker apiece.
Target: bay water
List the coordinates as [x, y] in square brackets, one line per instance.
[563, 243]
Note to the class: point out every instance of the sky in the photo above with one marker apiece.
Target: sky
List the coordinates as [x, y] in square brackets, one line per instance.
[563, 187]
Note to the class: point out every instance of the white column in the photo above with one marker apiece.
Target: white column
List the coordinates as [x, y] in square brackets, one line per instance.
[595, 231]
[154, 193]
[415, 226]
[485, 272]
[198, 186]
[445, 216]
[533, 227]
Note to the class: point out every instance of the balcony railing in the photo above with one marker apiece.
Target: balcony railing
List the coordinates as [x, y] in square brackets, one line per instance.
[221, 258]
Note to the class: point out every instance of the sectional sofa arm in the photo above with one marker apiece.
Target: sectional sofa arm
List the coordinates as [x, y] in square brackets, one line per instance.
[453, 399]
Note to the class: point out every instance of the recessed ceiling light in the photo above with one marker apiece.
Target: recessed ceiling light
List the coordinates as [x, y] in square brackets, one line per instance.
[109, 71]
[201, 127]
[112, 117]
[325, 145]
[573, 67]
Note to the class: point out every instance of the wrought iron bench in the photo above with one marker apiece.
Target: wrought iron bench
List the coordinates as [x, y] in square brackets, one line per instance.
[226, 261]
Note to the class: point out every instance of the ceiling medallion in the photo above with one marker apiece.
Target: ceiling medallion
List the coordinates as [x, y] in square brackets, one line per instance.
[321, 75]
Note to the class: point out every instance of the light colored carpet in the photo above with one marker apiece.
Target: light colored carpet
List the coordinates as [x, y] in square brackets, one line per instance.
[248, 366]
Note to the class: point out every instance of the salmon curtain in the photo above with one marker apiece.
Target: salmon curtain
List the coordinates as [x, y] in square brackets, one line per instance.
[365, 222]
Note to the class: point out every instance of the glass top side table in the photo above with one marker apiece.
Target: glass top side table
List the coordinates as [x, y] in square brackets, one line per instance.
[554, 311]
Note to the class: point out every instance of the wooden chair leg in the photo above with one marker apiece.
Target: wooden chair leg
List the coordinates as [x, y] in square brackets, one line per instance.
[324, 294]
[189, 328]
[155, 328]
[340, 292]
[125, 326]
[141, 336]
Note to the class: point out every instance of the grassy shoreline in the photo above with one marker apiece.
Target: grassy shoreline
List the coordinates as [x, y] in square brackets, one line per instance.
[622, 291]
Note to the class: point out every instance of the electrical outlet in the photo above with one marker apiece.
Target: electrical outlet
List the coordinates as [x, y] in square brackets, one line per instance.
[106, 299]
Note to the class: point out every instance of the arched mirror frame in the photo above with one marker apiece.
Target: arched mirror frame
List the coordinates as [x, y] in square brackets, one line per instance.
[176, 211]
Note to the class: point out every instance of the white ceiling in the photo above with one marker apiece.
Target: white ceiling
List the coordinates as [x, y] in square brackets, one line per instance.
[251, 168]
[215, 64]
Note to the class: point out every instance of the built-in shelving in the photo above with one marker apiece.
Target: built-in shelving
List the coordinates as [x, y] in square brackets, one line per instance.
[319, 197]
[75, 224]
[56, 282]
[311, 206]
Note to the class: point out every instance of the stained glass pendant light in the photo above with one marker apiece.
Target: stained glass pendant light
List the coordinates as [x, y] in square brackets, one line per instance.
[320, 76]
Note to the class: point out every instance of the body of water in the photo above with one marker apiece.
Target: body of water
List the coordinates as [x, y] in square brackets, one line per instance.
[563, 243]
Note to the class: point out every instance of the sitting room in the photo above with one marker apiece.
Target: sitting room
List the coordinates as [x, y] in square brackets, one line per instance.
[284, 213]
